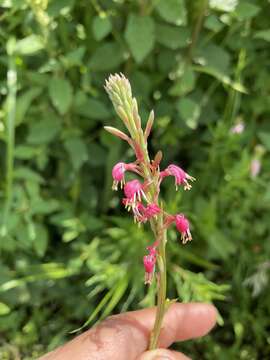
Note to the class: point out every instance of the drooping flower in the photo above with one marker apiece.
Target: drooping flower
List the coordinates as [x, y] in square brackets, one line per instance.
[141, 213]
[181, 177]
[134, 191]
[118, 173]
[149, 262]
[151, 210]
[255, 167]
[238, 128]
[182, 225]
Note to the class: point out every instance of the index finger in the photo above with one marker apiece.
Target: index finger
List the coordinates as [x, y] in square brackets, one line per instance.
[126, 336]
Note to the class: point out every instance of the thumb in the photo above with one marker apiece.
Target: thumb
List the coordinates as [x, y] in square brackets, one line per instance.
[162, 354]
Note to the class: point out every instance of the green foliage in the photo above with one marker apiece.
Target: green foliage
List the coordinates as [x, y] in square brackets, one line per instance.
[69, 252]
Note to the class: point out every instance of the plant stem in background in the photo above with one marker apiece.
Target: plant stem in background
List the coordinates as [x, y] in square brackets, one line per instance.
[10, 126]
[197, 28]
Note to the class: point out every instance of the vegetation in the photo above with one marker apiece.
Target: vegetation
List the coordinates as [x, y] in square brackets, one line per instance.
[69, 252]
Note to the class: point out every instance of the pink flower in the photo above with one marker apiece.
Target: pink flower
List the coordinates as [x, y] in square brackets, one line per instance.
[140, 212]
[149, 262]
[238, 128]
[255, 167]
[118, 173]
[134, 191]
[181, 177]
[151, 210]
[182, 225]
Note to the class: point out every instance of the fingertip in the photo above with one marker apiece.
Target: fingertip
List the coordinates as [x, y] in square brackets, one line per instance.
[208, 317]
[162, 354]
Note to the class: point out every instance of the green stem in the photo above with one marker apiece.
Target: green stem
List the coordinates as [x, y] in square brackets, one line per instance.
[10, 125]
[196, 30]
[161, 236]
[161, 296]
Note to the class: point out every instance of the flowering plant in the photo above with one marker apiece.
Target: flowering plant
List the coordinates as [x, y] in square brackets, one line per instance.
[141, 196]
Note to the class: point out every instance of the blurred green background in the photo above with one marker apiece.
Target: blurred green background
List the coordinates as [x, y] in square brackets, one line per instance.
[69, 251]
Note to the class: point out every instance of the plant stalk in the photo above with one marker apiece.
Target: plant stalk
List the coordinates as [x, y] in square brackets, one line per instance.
[10, 126]
[161, 292]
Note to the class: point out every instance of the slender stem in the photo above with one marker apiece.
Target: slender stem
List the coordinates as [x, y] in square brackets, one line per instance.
[161, 235]
[161, 296]
[197, 29]
[11, 112]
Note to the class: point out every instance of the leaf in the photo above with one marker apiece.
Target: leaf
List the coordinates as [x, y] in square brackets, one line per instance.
[41, 240]
[140, 36]
[60, 6]
[101, 27]
[173, 11]
[93, 109]
[77, 151]
[185, 84]
[263, 34]
[60, 92]
[4, 309]
[74, 57]
[24, 101]
[223, 5]
[25, 152]
[107, 57]
[24, 173]
[222, 78]
[44, 131]
[29, 45]
[189, 111]
[215, 57]
[246, 10]
[213, 23]
[172, 37]
[98, 154]
[265, 139]
[116, 297]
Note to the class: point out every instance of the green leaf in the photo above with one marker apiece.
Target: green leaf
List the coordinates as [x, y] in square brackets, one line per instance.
[140, 36]
[60, 92]
[74, 57]
[25, 152]
[172, 37]
[101, 27]
[77, 151]
[223, 5]
[24, 173]
[265, 139]
[189, 111]
[24, 101]
[41, 240]
[44, 131]
[93, 109]
[213, 23]
[118, 293]
[107, 57]
[29, 45]
[246, 10]
[173, 11]
[215, 57]
[222, 78]
[4, 309]
[98, 154]
[263, 34]
[60, 6]
[185, 84]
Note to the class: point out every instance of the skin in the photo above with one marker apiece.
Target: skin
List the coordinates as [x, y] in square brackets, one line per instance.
[126, 336]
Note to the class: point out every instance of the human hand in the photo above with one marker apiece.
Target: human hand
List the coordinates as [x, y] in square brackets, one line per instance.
[126, 336]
